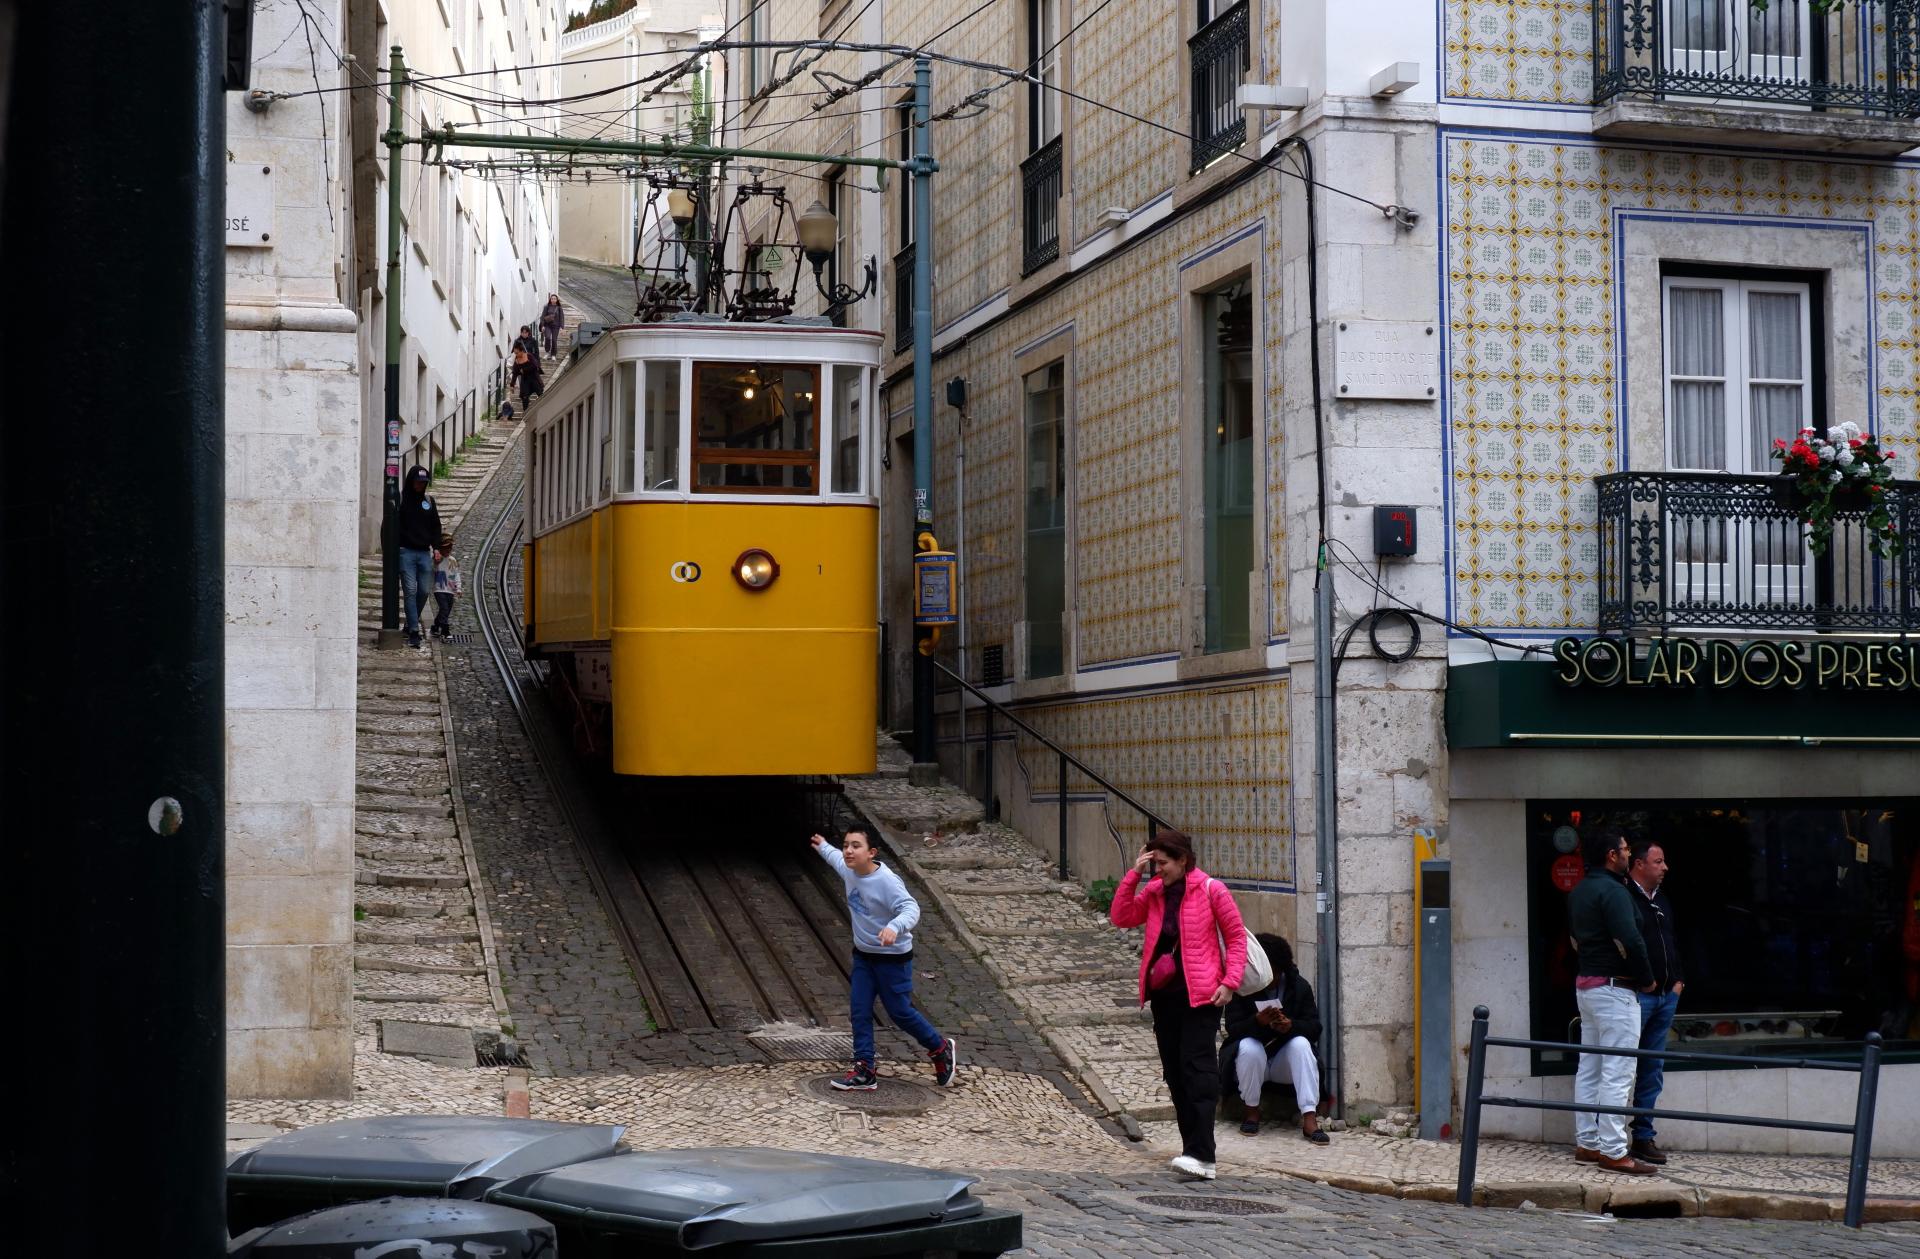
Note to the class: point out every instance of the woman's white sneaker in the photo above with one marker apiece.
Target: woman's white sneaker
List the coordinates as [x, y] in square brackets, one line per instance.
[1192, 1168]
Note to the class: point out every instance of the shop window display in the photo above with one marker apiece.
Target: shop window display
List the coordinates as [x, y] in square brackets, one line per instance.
[1798, 921]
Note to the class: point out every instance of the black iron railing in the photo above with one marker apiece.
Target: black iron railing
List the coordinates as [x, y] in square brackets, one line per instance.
[903, 300]
[1710, 550]
[1063, 760]
[1218, 52]
[438, 447]
[1860, 1155]
[1040, 207]
[1862, 57]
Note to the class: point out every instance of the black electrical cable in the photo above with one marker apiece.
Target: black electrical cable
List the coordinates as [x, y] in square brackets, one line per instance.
[1371, 619]
[1408, 609]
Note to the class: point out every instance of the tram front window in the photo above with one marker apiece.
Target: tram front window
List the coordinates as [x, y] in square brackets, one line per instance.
[755, 427]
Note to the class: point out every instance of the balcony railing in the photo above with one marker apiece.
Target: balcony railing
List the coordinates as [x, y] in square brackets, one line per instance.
[903, 300]
[1710, 550]
[1862, 58]
[1040, 207]
[1219, 56]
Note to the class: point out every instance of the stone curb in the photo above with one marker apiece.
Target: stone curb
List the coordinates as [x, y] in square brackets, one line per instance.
[489, 952]
[1656, 1198]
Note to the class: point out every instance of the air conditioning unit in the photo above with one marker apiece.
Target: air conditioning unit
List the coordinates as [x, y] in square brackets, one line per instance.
[673, 45]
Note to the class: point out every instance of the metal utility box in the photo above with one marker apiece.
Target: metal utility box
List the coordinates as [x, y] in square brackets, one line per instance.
[752, 1201]
[417, 1156]
[1395, 531]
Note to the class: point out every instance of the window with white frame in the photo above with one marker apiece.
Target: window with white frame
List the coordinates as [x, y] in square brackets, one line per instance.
[1739, 369]
[757, 58]
[1043, 95]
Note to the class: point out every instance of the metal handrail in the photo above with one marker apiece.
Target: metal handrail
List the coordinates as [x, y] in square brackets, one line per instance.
[447, 436]
[1861, 1129]
[1154, 821]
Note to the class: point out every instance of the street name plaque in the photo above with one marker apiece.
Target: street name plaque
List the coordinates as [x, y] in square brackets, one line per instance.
[1384, 358]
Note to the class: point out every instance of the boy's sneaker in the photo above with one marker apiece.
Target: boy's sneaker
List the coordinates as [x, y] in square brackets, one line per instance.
[946, 1060]
[861, 1078]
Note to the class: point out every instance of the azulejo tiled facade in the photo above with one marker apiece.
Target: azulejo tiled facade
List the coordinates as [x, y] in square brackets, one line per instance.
[1534, 408]
[1211, 760]
[1518, 50]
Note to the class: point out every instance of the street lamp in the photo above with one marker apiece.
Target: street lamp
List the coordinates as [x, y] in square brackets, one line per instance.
[819, 232]
[680, 209]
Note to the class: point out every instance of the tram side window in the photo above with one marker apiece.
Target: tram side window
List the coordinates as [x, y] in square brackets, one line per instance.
[843, 437]
[754, 425]
[603, 415]
[622, 413]
[662, 431]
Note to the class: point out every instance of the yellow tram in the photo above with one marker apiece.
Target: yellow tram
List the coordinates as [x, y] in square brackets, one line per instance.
[702, 570]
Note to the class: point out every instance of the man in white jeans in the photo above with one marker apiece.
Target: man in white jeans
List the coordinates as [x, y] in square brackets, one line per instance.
[1613, 969]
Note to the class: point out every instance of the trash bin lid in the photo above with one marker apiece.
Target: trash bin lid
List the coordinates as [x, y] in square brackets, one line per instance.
[708, 1197]
[434, 1153]
[479, 1228]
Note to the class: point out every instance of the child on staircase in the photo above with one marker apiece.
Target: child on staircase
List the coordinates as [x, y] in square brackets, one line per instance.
[884, 914]
[446, 585]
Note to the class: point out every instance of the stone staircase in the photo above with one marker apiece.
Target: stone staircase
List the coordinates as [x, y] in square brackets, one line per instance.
[1061, 961]
[426, 981]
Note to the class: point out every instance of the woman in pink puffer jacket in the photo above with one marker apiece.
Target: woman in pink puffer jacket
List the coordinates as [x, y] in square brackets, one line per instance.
[1186, 976]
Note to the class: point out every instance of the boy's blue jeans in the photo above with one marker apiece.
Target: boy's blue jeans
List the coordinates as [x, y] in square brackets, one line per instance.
[892, 982]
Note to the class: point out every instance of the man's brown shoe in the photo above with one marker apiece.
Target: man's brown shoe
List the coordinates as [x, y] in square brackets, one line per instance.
[1648, 1152]
[1627, 1165]
[1581, 1154]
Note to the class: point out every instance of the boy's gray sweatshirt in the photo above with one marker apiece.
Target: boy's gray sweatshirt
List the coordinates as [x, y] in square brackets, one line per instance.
[876, 900]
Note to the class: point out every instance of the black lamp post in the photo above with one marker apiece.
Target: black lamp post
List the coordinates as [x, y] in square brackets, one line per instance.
[819, 232]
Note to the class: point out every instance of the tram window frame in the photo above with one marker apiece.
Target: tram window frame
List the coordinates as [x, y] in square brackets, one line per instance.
[704, 455]
[661, 432]
[624, 411]
[603, 429]
[835, 440]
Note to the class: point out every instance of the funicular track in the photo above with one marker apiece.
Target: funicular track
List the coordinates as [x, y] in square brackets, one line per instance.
[728, 920]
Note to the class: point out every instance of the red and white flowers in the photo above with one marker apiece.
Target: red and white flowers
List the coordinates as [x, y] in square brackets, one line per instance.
[1844, 470]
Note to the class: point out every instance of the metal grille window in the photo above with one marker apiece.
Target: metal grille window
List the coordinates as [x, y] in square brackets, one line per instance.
[1040, 180]
[1218, 55]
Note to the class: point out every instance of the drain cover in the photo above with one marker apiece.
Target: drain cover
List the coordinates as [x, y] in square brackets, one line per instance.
[893, 1097]
[1209, 1206]
[807, 1045]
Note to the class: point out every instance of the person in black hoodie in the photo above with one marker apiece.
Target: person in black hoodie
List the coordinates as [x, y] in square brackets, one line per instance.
[1270, 1038]
[419, 533]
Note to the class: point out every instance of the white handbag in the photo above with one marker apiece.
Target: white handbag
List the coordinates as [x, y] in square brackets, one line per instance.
[1259, 971]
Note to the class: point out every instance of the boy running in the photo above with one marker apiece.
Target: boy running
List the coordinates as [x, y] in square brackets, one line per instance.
[884, 914]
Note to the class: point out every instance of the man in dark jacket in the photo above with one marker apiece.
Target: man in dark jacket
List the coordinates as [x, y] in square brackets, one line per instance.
[419, 533]
[1613, 968]
[1270, 1038]
[1646, 872]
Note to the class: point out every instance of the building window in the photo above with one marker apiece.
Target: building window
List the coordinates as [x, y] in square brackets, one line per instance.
[1217, 56]
[1794, 919]
[1739, 370]
[1043, 63]
[841, 264]
[1046, 553]
[757, 58]
[1227, 466]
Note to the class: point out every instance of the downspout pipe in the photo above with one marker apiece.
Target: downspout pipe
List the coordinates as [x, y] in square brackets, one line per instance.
[1326, 757]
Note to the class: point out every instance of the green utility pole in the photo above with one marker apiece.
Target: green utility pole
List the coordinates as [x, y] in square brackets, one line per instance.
[921, 167]
[396, 139]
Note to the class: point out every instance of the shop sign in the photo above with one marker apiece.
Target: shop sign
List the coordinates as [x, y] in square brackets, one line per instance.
[1723, 664]
[1567, 872]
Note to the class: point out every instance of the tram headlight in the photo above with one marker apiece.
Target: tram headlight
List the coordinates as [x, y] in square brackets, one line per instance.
[755, 569]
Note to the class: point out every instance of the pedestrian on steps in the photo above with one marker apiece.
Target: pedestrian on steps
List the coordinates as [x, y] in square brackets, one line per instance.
[531, 386]
[1192, 959]
[884, 914]
[446, 586]
[552, 318]
[418, 533]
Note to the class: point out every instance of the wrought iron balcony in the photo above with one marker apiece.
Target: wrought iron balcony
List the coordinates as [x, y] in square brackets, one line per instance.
[1858, 65]
[903, 300]
[1218, 52]
[1715, 551]
[1040, 207]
